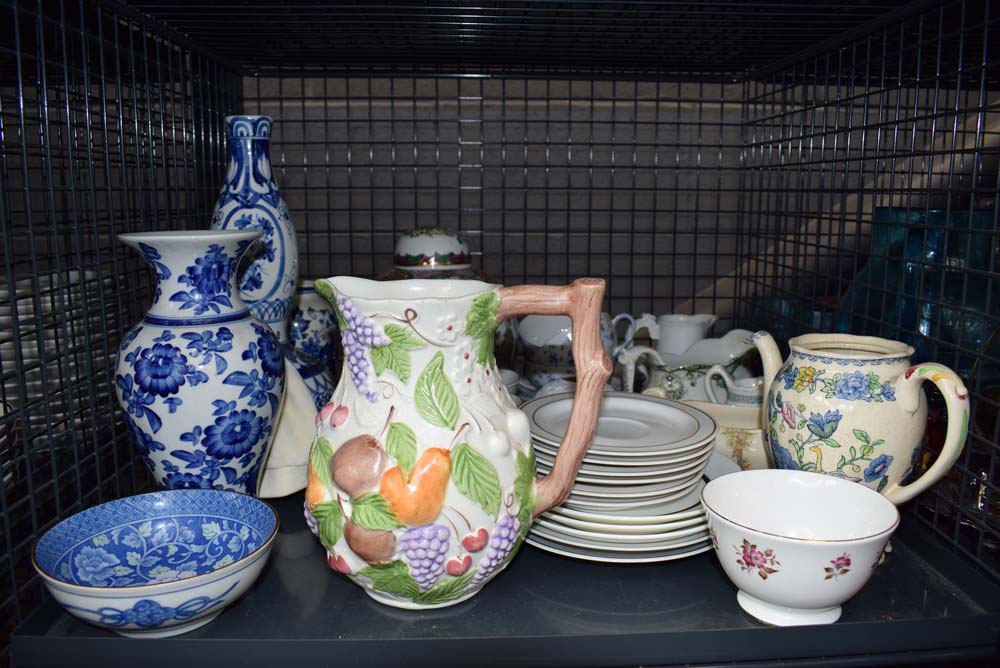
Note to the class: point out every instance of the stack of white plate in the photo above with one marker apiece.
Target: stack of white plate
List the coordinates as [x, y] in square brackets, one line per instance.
[637, 495]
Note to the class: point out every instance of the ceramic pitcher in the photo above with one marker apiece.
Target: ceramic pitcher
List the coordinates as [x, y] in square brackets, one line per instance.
[422, 476]
[675, 333]
[851, 406]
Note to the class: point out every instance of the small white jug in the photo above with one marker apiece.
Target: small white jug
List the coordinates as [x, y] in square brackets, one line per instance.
[743, 392]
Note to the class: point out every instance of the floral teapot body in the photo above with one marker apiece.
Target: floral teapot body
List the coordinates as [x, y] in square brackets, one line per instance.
[851, 407]
[422, 478]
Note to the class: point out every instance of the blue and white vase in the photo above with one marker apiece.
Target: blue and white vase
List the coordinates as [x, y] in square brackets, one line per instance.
[251, 200]
[311, 336]
[200, 379]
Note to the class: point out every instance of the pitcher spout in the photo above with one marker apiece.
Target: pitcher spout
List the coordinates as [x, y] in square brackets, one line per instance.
[770, 356]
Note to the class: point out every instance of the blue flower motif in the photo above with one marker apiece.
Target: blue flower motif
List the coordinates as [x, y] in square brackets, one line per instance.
[95, 566]
[878, 468]
[209, 275]
[252, 279]
[177, 480]
[887, 391]
[144, 442]
[137, 402]
[824, 425]
[233, 435]
[161, 369]
[269, 350]
[853, 386]
[130, 337]
[209, 279]
[152, 255]
[789, 377]
[148, 614]
[255, 386]
[782, 457]
[209, 345]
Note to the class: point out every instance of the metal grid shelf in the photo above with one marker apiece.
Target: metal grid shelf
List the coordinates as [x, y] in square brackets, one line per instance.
[696, 40]
[794, 165]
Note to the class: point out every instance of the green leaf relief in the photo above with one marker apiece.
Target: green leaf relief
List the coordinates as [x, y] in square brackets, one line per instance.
[330, 521]
[319, 460]
[524, 487]
[401, 444]
[392, 358]
[395, 355]
[392, 578]
[434, 396]
[481, 324]
[444, 591]
[862, 436]
[475, 477]
[403, 338]
[326, 291]
[372, 511]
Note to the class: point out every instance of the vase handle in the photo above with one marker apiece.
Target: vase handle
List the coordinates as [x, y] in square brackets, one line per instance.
[956, 399]
[581, 301]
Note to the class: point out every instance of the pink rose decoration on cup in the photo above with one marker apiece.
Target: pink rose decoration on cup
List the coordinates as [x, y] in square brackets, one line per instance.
[840, 566]
[752, 559]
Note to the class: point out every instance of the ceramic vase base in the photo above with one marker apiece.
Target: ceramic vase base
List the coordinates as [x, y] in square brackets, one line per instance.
[384, 599]
[169, 632]
[781, 615]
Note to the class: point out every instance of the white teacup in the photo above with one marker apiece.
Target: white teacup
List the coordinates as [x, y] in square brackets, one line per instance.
[793, 560]
[742, 392]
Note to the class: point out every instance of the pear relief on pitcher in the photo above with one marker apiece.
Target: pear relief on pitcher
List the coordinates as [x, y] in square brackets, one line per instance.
[422, 478]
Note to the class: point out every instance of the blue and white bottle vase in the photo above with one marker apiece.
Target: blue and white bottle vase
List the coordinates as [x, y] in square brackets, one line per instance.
[251, 200]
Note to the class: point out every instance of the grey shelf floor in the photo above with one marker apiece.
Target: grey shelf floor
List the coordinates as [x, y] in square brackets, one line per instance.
[925, 605]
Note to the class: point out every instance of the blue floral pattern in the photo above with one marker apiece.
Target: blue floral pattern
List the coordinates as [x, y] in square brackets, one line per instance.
[310, 337]
[200, 381]
[158, 550]
[807, 437]
[227, 452]
[148, 614]
[209, 280]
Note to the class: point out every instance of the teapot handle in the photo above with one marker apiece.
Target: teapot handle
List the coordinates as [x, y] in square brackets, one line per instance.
[717, 370]
[581, 301]
[956, 399]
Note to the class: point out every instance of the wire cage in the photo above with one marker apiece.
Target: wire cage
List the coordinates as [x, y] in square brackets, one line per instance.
[793, 166]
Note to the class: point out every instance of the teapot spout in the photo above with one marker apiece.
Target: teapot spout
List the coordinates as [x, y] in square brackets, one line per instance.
[770, 356]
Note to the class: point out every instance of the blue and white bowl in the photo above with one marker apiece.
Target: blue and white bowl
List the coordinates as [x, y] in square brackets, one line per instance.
[159, 564]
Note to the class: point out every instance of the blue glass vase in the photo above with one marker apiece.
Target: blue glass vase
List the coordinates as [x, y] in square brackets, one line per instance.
[251, 200]
[200, 379]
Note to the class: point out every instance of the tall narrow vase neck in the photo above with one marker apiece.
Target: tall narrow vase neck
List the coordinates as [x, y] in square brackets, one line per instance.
[195, 274]
[249, 176]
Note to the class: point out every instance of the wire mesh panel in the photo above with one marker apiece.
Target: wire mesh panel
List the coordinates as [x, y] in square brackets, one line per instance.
[870, 207]
[548, 179]
[104, 127]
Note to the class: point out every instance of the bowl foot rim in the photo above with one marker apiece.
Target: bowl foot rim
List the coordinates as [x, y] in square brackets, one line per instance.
[781, 615]
[170, 631]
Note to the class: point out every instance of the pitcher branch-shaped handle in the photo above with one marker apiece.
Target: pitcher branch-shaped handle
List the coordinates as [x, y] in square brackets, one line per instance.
[581, 301]
[956, 399]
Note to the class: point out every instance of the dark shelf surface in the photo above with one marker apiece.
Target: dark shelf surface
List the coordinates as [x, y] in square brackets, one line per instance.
[924, 604]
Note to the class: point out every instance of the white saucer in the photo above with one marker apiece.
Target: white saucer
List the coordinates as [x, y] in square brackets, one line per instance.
[593, 543]
[696, 519]
[629, 425]
[661, 462]
[603, 557]
[629, 539]
[609, 504]
[609, 475]
[654, 491]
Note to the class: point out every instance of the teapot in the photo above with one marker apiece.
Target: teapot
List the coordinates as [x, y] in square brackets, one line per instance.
[851, 406]
[421, 483]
